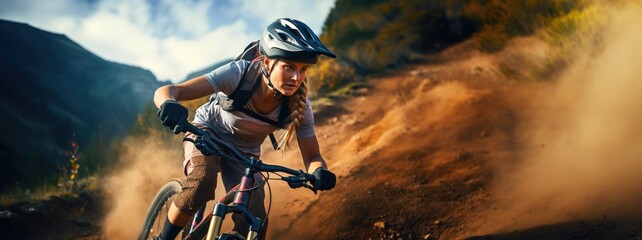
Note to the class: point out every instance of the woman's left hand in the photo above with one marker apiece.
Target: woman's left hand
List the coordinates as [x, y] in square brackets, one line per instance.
[325, 180]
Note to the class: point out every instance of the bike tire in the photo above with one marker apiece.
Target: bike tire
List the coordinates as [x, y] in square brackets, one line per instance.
[159, 207]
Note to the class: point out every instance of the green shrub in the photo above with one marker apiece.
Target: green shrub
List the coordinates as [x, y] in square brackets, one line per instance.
[578, 32]
[505, 19]
[327, 75]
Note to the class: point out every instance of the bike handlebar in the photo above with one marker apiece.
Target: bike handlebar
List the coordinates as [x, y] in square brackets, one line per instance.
[208, 145]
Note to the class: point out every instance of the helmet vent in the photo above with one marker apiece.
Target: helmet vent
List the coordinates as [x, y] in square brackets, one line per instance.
[284, 37]
[307, 34]
[294, 31]
[292, 39]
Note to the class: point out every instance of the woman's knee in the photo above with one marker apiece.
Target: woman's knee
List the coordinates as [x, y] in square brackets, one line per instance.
[199, 186]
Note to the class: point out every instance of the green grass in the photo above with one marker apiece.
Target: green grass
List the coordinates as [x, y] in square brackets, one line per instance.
[329, 99]
[568, 37]
[578, 32]
[45, 190]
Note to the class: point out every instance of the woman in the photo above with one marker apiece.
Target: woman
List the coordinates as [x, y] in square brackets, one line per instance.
[288, 47]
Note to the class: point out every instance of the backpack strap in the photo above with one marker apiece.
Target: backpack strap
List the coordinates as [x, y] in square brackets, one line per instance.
[250, 81]
[248, 84]
[250, 52]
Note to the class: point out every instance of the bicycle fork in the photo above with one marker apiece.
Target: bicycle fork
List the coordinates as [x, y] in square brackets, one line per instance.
[239, 205]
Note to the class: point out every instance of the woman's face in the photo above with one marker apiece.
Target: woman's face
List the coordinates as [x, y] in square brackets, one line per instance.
[287, 75]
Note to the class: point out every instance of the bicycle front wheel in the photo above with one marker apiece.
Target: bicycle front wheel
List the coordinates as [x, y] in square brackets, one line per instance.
[157, 212]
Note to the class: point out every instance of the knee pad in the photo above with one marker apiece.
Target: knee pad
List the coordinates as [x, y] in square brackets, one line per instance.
[199, 186]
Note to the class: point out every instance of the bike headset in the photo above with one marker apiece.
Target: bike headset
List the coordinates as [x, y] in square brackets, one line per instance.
[290, 39]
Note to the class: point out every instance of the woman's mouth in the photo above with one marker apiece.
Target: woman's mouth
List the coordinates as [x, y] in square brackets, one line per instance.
[287, 85]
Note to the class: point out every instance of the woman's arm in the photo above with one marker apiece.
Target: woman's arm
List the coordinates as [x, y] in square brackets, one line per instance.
[311, 154]
[188, 90]
[314, 163]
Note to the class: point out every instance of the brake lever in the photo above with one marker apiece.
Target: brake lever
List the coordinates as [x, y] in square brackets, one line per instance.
[310, 187]
[203, 148]
[299, 181]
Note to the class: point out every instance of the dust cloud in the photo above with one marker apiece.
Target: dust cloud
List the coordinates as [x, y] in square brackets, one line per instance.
[583, 140]
[145, 165]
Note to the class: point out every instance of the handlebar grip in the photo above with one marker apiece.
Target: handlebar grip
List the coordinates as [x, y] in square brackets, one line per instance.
[179, 128]
[191, 128]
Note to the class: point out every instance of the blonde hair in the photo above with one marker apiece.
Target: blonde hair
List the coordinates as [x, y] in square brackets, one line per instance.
[298, 104]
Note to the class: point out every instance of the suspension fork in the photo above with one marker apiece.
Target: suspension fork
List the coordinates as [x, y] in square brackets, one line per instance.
[240, 204]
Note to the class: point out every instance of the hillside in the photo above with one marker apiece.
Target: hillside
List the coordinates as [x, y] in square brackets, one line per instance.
[53, 90]
[449, 148]
[456, 149]
[453, 148]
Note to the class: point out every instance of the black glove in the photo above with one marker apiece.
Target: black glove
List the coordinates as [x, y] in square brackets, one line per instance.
[325, 180]
[171, 114]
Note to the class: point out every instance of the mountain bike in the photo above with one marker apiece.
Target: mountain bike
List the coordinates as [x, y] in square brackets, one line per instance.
[234, 201]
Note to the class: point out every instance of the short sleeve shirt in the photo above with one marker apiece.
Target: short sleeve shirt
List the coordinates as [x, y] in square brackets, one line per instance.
[238, 128]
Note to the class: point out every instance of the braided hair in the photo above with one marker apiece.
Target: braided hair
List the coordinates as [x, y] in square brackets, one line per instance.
[292, 39]
[298, 104]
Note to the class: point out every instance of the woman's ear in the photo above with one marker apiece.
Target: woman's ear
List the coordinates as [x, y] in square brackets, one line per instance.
[266, 63]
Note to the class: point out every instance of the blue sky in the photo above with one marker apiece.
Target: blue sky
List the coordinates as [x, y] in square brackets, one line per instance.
[169, 37]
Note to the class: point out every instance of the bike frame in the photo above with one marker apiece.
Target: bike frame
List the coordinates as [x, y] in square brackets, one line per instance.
[239, 205]
[242, 193]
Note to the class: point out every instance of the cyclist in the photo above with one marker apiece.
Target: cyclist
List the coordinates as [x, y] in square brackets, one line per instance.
[287, 48]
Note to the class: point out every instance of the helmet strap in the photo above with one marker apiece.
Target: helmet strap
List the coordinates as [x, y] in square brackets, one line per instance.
[267, 74]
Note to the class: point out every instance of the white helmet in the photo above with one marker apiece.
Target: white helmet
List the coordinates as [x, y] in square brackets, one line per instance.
[292, 39]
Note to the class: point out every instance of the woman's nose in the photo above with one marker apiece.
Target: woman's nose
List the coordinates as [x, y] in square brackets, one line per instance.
[296, 76]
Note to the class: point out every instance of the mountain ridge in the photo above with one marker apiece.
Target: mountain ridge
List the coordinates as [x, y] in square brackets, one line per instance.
[53, 91]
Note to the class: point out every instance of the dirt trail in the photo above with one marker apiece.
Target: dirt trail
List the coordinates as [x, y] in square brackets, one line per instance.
[454, 149]
[414, 152]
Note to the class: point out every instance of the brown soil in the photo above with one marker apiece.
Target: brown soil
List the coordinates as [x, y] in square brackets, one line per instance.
[443, 149]
[416, 154]
[421, 152]
[76, 217]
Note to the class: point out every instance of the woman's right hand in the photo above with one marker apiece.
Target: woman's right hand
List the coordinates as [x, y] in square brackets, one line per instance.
[172, 113]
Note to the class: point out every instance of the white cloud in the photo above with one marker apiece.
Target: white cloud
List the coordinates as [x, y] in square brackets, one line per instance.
[50, 15]
[113, 37]
[184, 18]
[190, 55]
[170, 38]
[313, 13]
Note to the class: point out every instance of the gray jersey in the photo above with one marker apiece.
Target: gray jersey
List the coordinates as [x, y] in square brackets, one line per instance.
[238, 128]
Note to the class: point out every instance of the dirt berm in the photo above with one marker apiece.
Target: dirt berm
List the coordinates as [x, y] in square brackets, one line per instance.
[453, 148]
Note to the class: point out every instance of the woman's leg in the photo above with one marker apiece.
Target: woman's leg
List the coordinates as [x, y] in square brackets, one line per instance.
[257, 207]
[199, 187]
[231, 174]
